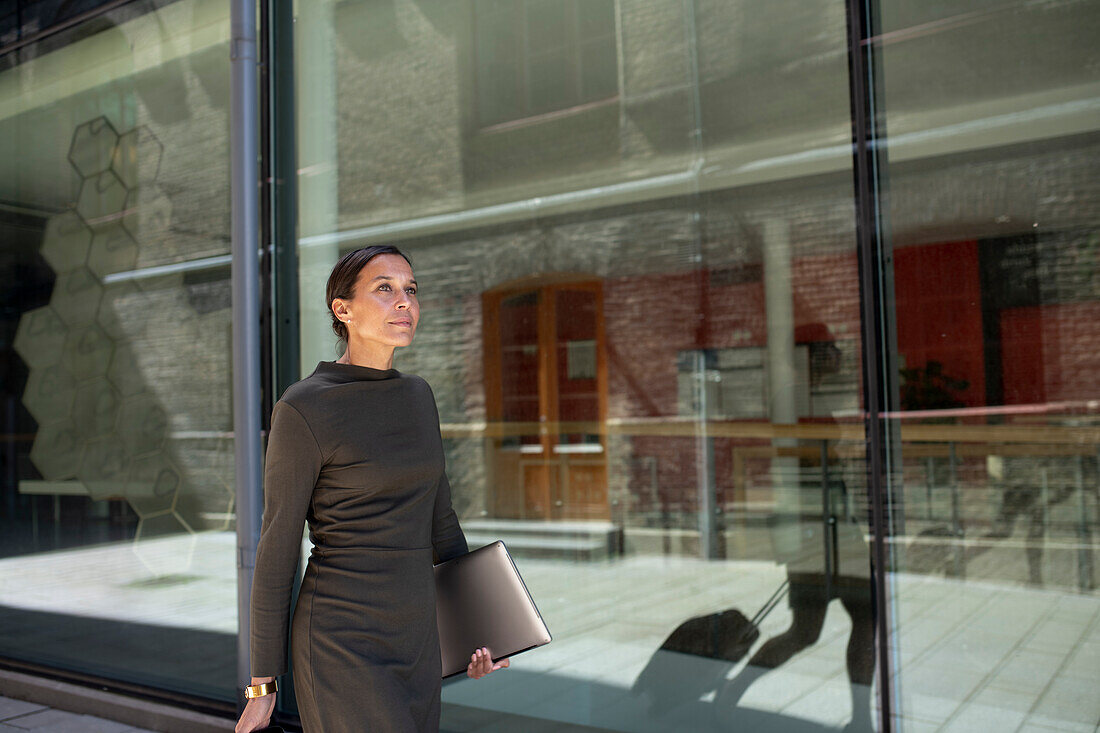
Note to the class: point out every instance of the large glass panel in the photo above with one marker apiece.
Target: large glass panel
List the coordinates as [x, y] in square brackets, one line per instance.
[993, 124]
[632, 223]
[116, 525]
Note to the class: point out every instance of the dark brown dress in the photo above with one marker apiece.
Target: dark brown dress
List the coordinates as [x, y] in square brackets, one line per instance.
[357, 453]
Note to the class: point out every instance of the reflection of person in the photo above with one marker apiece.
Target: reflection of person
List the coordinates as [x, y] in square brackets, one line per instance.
[815, 579]
[1026, 495]
[355, 449]
[1021, 502]
[808, 602]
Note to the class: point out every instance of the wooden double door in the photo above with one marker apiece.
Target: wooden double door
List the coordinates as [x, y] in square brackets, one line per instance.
[546, 400]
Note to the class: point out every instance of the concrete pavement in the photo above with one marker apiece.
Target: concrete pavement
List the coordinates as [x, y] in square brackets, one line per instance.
[971, 654]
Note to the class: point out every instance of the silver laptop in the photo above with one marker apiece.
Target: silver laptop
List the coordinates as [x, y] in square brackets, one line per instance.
[481, 601]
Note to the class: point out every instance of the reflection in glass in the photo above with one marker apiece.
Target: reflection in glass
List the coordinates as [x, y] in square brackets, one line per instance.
[640, 318]
[116, 539]
[992, 157]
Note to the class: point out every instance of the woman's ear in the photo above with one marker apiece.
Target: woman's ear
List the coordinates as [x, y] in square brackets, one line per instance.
[340, 309]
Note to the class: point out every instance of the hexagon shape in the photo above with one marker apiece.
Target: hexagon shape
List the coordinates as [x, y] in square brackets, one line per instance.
[101, 200]
[39, 337]
[122, 311]
[113, 250]
[66, 241]
[75, 296]
[152, 485]
[137, 157]
[49, 394]
[125, 373]
[142, 424]
[87, 352]
[92, 147]
[165, 544]
[148, 214]
[95, 408]
[103, 467]
[57, 451]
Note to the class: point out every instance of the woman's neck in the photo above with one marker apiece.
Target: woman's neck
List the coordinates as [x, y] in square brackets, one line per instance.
[375, 356]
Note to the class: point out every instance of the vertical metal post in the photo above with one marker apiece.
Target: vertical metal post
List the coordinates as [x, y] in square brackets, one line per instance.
[56, 522]
[828, 521]
[704, 461]
[34, 523]
[283, 190]
[877, 324]
[1044, 497]
[244, 152]
[11, 480]
[930, 479]
[958, 550]
[263, 86]
[1084, 534]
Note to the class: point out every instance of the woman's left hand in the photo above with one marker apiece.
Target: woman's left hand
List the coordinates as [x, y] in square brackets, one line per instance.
[481, 664]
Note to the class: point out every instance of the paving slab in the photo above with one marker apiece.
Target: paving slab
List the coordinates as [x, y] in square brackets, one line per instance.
[11, 708]
[59, 721]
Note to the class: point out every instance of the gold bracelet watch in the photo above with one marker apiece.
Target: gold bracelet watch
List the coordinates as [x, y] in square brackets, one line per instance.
[260, 690]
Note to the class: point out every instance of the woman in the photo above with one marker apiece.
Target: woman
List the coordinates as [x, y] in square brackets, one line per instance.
[355, 449]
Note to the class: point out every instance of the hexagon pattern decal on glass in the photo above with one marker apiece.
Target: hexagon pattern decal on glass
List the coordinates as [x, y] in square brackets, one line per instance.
[66, 242]
[99, 423]
[92, 147]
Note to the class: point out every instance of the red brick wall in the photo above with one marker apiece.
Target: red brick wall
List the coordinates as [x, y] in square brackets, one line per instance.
[1051, 353]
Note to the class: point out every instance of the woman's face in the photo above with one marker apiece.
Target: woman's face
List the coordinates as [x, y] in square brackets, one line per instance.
[384, 310]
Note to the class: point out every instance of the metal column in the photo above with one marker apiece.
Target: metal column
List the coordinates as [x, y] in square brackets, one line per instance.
[244, 152]
[878, 338]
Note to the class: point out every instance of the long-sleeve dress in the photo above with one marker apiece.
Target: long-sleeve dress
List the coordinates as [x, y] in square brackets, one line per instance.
[356, 452]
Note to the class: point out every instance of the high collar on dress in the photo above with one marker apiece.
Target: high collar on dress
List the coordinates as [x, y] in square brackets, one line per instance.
[353, 372]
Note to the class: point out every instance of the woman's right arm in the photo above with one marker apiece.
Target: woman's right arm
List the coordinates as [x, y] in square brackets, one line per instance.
[292, 464]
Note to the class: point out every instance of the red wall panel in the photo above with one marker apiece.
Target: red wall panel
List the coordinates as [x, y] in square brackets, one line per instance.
[939, 316]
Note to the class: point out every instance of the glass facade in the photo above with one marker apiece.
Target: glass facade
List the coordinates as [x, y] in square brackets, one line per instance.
[641, 320]
[118, 494]
[659, 329]
[992, 149]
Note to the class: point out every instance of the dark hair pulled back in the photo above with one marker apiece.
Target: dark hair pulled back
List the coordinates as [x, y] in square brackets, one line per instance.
[344, 275]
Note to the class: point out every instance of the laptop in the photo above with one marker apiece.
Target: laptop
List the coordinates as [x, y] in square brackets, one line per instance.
[481, 601]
